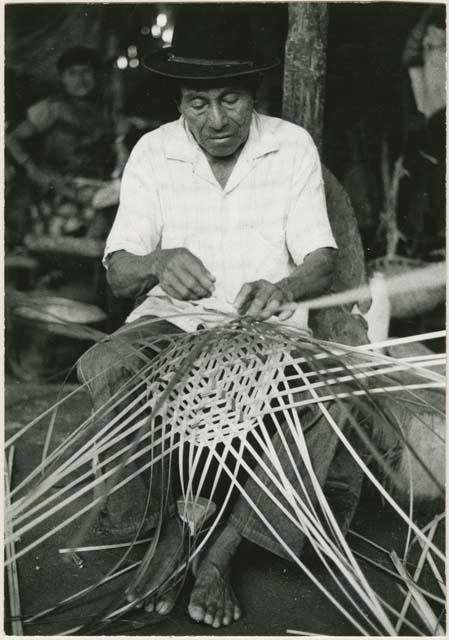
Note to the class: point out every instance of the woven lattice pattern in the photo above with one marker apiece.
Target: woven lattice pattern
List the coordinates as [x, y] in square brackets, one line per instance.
[203, 394]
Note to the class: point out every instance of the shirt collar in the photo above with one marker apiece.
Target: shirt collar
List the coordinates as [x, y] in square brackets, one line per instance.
[260, 140]
[181, 145]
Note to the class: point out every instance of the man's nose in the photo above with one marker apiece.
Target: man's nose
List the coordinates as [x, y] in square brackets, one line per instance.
[217, 117]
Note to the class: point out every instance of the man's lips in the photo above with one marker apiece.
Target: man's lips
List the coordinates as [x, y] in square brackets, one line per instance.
[220, 137]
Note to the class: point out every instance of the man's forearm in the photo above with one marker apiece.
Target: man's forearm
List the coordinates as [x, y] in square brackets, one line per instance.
[131, 276]
[312, 278]
[17, 150]
[179, 273]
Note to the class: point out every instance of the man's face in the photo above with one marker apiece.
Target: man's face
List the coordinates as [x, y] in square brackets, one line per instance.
[79, 80]
[219, 119]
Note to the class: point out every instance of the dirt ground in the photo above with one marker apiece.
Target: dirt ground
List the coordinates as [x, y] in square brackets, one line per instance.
[275, 595]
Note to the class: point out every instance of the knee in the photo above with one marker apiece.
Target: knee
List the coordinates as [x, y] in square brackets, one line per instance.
[96, 360]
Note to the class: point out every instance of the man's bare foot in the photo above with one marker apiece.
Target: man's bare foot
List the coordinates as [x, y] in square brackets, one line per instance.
[151, 587]
[212, 600]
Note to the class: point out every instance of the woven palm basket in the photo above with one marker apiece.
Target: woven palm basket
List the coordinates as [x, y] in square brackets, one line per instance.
[215, 387]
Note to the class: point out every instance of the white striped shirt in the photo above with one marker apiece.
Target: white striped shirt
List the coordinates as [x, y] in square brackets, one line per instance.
[269, 216]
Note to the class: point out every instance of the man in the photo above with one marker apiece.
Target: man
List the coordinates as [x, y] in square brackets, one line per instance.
[70, 133]
[66, 136]
[222, 209]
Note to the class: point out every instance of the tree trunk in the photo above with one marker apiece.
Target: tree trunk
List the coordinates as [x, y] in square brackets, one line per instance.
[305, 66]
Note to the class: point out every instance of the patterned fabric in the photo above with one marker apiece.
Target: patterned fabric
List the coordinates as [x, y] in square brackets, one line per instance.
[269, 216]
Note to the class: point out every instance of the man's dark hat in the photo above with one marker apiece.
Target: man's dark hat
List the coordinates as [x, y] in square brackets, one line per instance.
[210, 41]
[78, 55]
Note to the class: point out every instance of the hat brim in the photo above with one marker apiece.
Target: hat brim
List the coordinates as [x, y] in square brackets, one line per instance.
[161, 64]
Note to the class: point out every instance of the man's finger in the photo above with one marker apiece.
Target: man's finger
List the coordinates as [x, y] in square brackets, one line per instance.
[173, 292]
[192, 284]
[286, 314]
[261, 300]
[199, 272]
[172, 285]
[243, 296]
[270, 309]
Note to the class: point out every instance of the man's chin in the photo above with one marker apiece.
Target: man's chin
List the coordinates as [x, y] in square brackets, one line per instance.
[222, 149]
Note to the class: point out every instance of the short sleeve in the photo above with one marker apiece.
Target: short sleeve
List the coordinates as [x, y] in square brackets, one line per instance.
[308, 227]
[137, 226]
[42, 115]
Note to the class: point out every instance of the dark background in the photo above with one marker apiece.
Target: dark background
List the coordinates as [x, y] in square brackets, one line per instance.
[368, 96]
[366, 83]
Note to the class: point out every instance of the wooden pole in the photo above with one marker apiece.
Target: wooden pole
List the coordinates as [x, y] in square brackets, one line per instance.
[305, 66]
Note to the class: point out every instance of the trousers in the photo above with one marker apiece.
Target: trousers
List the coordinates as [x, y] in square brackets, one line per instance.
[107, 365]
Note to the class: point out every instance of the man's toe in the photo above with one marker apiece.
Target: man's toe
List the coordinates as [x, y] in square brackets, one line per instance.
[197, 608]
[227, 619]
[135, 600]
[210, 614]
[219, 618]
[149, 606]
[228, 616]
[165, 605]
[196, 612]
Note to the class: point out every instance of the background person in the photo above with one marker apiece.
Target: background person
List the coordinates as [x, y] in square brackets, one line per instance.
[68, 145]
[71, 133]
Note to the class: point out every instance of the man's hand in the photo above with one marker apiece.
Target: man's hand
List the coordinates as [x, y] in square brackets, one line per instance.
[182, 275]
[262, 299]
